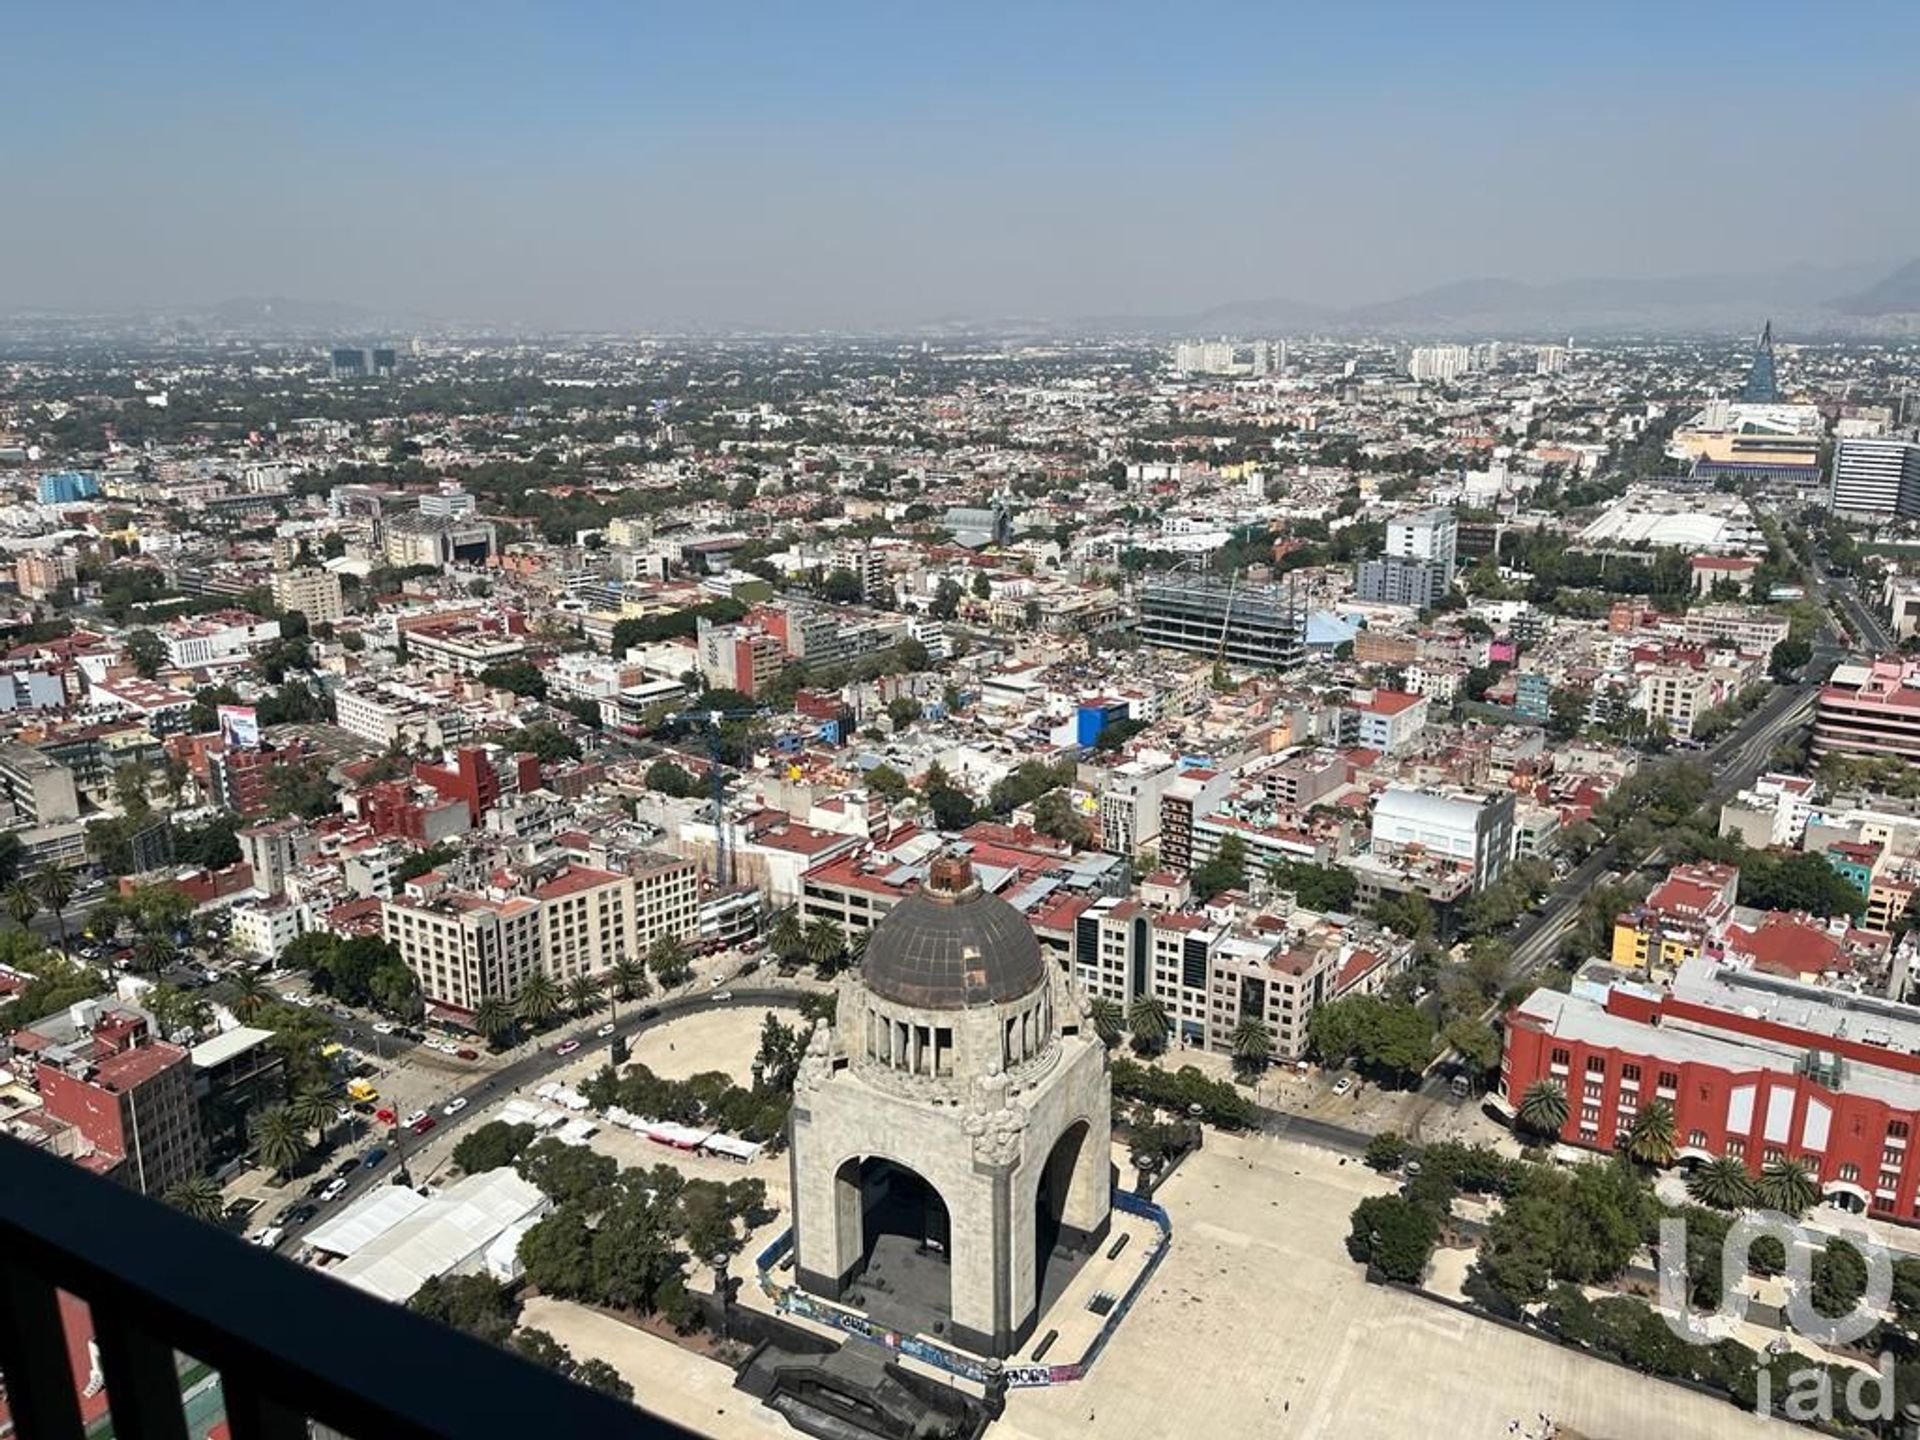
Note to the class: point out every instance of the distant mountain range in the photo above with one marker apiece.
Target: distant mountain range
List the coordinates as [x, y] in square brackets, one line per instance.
[1802, 300]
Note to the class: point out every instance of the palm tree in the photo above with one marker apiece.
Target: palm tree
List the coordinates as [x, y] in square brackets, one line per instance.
[281, 1139]
[1543, 1108]
[154, 952]
[583, 995]
[540, 998]
[826, 943]
[1788, 1186]
[54, 886]
[1147, 1018]
[629, 979]
[312, 1109]
[1109, 1020]
[1252, 1043]
[1722, 1183]
[494, 1019]
[250, 995]
[22, 904]
[857, 945]
[785, 938]
[1650, 1137]
[197, 1196]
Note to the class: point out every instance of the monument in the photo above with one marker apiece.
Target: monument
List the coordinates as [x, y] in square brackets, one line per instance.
[950, 1132]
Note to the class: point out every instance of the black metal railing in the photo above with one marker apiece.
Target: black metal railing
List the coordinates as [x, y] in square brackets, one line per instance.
[290, 1346]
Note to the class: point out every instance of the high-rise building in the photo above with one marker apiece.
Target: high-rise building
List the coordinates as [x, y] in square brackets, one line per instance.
[1439, 363]
[1259, 625]
[1762, 388]
[313, 592]
[40, 573]
[68, 487]
[1429, 535]
[1392, 580]
[1875, 479]
[1870, 710]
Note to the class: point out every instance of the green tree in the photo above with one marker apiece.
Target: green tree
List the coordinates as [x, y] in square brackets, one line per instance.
[145, 652]
[494, 1144]
[1543, 1108]
[584, 996]
[22, 904]
[1723, 1183]
[280, 1139]
[312, 1109]
[1789, 1186]
[495, 1019]
[1386, 1151]
[668, 960]
[666, 778]
[1394, 1235]
[886, 782]
[1650, 1138]
[539, 999]
[197, 1195]
[786, 938]
[568, 1174]
[1476, 1043]
[250, 994]
[1225, 869]
[477, 1304]
[1252, 1044]
[54, 888]
[1109, 1020]
[1147, 1019]
[826, 944]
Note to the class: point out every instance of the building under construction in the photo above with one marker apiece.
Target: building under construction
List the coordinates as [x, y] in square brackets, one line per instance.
[1264, 626]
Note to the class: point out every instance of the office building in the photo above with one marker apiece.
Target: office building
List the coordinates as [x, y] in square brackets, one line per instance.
[225, 637]
[1866, 710]
[1391, 580]
[1432, 536]
[68, 487]
[314, 593]
[1875, 479]
[38, 788]
[417, 538]
[1754, 1065]
[1263, 626]
[1472, 833]
[1762, 387]
[99, 1068]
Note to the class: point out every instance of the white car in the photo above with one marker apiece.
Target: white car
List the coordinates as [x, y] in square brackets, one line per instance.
[455, 1105]
[269, 1237]
[604, 1031]
[1343, 1085]
[383, 1027]
[334, 1190]
[414, 1119]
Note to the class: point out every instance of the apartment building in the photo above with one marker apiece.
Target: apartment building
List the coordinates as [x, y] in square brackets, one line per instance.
[100, 1069]
[1678, 695]
[465, 946]
[38, 788]
[226, 637]
[41, 573]
[1130, 805]
[1685, 917]
[1469, 832]
[315, 593]
[739, 657]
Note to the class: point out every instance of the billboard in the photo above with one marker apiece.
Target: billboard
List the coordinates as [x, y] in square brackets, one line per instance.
[239, 726]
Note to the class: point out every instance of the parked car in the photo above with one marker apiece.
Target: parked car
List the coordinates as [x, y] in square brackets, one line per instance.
[375, 1156]
[347, 1166]
[384, 1027]
[566, 1047]
[300, 1214]
[333, 1191]
[455, 1106]
[1343, 1085]
[414, 1119]
[269, 1237]
[467, 1052]
[423, 1124]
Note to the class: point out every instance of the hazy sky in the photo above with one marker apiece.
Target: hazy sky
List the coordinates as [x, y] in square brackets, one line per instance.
[819, 163]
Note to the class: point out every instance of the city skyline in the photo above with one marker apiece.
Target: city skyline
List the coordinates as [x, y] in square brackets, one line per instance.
[862, 168]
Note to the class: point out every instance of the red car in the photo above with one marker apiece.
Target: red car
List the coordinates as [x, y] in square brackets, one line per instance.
[424, 1124]
[467, 1054]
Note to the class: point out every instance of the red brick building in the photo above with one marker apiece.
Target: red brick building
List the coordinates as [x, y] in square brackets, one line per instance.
[1755, 1066]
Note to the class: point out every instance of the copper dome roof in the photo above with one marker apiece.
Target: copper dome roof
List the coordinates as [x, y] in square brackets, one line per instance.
[951, 945]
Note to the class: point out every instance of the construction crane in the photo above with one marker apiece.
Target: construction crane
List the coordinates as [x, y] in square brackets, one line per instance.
[714, 722]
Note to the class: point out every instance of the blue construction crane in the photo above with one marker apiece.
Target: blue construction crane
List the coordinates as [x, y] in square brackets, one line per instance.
[713, 721]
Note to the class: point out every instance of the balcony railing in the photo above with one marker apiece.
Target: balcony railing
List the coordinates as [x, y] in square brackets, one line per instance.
[291, 1346]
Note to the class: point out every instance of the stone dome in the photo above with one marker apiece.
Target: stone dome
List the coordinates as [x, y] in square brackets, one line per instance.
[951, 945]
